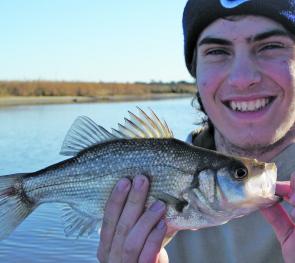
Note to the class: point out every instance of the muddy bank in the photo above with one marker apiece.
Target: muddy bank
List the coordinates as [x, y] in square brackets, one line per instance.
[44, 100]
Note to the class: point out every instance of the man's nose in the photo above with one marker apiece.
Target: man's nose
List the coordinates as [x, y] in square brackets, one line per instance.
[244, 72]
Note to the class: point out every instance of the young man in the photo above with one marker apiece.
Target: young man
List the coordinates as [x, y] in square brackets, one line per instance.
[242, 54]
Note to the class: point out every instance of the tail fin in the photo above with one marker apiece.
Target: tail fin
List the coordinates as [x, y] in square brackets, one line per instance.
[14, 207]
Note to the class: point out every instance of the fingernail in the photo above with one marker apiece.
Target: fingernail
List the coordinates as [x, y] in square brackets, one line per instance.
[161, 225]
[157, 206]
[138, 182]
[123, 185]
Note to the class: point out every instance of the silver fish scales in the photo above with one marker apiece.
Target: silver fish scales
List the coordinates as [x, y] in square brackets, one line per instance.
[201, 188]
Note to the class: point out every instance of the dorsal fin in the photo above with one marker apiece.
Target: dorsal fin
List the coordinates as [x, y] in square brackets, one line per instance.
[156, 128]
[85, 133]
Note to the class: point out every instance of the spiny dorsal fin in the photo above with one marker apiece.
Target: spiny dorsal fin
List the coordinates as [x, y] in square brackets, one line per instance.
[85, 133]
[153, 125]
[144, 126]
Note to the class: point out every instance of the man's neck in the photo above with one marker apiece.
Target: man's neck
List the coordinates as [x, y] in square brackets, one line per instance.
[266, 153]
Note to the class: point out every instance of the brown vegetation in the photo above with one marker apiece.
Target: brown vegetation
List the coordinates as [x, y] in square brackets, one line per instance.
[51, 88]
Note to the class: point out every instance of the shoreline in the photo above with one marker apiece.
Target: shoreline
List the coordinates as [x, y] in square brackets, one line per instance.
[48, 100]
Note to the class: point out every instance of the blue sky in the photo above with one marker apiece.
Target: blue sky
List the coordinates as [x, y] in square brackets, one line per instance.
[92, 40]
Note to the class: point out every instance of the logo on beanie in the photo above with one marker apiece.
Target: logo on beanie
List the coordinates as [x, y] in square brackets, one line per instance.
[290, 13]
[232, 3]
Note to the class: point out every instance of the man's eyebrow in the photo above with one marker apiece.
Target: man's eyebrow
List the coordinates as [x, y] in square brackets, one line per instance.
[259, 37]
[271, 33]
[214, 40]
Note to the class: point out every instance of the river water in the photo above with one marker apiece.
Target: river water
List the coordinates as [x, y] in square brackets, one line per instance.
[30, 139]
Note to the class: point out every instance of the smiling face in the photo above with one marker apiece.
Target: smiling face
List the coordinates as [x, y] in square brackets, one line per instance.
[245, 76]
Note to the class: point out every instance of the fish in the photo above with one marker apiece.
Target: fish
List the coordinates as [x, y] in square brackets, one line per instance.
[201, 187]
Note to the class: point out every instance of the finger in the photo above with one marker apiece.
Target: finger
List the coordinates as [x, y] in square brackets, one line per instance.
[280, 221]
[283, 188]
[292, 192]
[163, 256]
[152, 247]
[112, 214]
[292, 181]
[142, 229]
[130, 214]
[292, 214]
[291, 199]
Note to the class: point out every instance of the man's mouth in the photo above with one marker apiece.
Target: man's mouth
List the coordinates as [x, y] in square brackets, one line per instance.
[249, 105]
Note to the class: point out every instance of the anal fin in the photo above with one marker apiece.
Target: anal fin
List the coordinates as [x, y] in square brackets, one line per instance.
[77, 222]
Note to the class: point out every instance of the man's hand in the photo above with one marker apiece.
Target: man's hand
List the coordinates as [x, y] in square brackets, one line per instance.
[129, 234]
[281, 221]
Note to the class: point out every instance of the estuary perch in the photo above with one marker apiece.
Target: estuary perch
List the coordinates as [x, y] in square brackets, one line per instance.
[201, 188]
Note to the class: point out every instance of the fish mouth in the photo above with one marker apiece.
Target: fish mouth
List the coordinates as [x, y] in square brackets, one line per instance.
[263, 186]
[249, 105]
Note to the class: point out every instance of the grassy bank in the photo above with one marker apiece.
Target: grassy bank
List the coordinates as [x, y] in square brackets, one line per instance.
[49, 92]
[87, 89]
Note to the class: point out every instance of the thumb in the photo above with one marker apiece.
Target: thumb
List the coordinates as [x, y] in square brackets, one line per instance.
[277, 216]
[283, 188]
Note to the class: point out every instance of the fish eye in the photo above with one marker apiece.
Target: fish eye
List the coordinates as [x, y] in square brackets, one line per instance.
[240, 173]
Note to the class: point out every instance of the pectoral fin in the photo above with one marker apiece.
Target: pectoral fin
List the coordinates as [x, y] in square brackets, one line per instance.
[171, 200]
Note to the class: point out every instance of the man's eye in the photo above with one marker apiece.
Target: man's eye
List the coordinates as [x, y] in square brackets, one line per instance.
[272, 46]
[216, 52]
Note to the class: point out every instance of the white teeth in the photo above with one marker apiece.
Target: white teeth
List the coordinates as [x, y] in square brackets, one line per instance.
[244, 106]
[253, 105]
[263, 103]
[233, 105]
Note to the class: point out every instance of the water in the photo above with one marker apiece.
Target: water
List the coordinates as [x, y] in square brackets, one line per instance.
[30, 139]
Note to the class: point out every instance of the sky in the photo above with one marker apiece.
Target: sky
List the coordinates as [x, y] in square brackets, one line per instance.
[92, 40]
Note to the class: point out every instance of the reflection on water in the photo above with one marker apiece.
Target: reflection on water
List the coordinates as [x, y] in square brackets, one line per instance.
[30, 139]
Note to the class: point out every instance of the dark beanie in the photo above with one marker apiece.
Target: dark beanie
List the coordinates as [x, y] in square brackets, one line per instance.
[198, 14]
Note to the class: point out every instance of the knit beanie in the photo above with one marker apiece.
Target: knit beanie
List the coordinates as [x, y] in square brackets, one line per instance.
[198, 14]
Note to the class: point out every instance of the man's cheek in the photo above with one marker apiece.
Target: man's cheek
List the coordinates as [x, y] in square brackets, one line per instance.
[208, 90]
[281, 72]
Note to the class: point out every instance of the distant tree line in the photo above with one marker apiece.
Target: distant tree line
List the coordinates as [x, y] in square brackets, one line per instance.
[95, 89]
